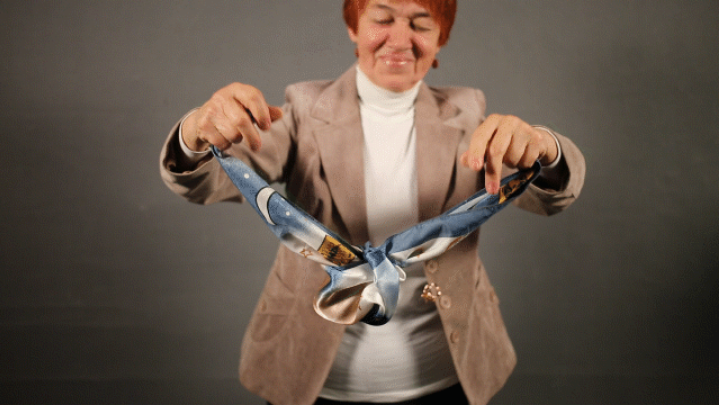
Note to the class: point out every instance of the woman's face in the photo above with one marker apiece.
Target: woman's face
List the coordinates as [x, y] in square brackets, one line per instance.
[397, 42]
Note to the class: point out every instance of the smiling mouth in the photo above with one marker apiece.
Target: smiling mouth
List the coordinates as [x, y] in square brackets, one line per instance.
[396, 60]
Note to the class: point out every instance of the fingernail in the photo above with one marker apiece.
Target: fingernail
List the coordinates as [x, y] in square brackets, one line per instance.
[477, 164]
[492, 188]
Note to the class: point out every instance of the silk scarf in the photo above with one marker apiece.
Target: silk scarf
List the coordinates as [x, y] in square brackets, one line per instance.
[364, 280]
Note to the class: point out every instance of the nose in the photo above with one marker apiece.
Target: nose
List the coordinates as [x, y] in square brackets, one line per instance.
[400, 35]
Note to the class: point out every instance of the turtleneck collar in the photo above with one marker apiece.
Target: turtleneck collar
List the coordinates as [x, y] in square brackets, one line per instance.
[383, 101]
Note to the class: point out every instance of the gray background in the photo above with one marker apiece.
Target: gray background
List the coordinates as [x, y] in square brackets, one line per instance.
[114, 290]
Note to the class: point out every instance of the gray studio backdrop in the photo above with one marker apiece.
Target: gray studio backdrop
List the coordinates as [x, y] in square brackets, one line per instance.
[114, 290]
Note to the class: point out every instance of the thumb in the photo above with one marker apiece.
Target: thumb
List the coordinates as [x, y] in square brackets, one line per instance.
[275, 113]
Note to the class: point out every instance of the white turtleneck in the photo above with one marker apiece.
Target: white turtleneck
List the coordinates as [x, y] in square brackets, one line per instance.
[389, 158]
[409, 356]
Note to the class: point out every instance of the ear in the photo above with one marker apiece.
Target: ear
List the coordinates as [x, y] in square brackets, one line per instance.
[352, 34]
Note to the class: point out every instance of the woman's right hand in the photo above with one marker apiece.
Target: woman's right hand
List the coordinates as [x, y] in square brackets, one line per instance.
[228, 117]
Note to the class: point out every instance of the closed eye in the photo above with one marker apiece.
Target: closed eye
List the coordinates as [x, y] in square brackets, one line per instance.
[420, 28]
[422, 23]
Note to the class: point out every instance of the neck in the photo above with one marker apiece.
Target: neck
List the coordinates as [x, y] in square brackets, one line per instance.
[383, 100]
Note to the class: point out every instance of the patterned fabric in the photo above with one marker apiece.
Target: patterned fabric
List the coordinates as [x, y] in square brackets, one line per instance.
[364, 281]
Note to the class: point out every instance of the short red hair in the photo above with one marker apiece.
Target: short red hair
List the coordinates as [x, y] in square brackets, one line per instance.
[443, 12]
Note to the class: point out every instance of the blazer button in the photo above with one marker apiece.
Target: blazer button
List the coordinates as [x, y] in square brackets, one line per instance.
[432, 266]
[454, 336]
[445, 302]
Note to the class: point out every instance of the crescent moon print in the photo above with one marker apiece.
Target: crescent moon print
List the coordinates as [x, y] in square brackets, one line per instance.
[262, 199]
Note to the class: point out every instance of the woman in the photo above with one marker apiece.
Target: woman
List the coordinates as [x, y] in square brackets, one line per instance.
[370, 154]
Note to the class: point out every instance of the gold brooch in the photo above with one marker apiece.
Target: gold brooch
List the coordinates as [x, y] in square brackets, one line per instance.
[431, 292]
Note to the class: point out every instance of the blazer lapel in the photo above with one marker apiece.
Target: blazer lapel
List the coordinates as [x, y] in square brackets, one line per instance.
[341, 144]
[437, 151]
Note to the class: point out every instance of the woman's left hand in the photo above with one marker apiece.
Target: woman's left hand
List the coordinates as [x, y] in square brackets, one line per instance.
[505, 139]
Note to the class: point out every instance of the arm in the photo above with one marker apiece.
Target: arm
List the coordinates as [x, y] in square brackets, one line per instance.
[508, 141]
[199, 178]
[557, 190]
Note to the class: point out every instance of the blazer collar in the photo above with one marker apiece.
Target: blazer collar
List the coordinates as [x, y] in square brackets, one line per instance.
[340, 142]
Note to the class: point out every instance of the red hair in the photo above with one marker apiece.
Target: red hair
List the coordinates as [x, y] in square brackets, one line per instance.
[442, 11]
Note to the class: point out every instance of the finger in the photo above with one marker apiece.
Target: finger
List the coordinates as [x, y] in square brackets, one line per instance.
[225, 119]
[533, 148]
[235, 118]
[275, 113]
[493, 166]
[243, 124]
[223, 131]
[207, 131]
[254, 102]
[518, 146]
[497, 154]
[528, 158]
[250, 132]
[473, 158]
[246, 126]
[230, 132]
[216, 139]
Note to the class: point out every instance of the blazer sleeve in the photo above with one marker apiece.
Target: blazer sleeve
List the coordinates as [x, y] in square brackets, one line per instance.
[206, 183]
[547, 201]
[541, 198]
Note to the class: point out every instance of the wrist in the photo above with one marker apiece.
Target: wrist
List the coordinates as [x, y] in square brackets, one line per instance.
[188, 135]
[554, 150]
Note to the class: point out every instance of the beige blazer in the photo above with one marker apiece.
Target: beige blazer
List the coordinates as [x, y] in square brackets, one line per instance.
[316, 149]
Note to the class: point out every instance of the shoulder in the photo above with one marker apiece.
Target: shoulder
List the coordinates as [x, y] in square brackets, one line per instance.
[467, 99]
[460, 107]
[306, 93]
[326, 100]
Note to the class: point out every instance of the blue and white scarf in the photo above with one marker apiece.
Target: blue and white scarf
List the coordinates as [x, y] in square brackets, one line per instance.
[364, 281]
